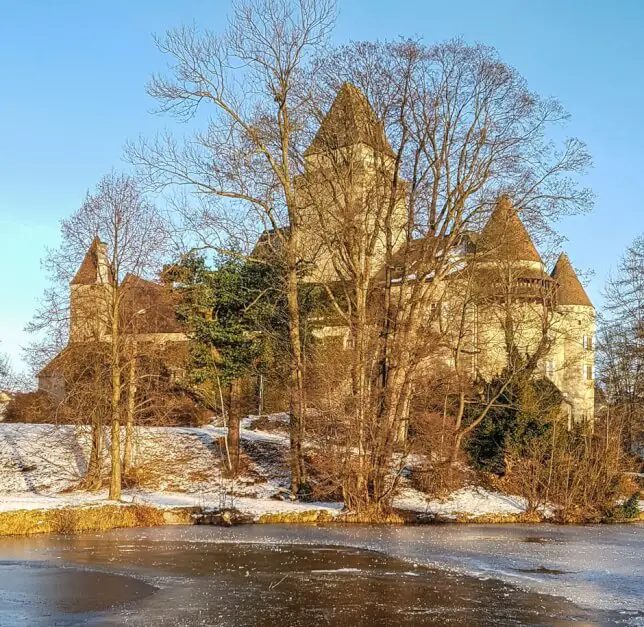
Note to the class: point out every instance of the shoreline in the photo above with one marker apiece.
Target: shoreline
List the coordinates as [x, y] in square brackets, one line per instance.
[104, 516]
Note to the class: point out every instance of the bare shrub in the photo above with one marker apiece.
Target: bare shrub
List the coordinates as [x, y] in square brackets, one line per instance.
[581, 476]
[31, 407]
[440, 479]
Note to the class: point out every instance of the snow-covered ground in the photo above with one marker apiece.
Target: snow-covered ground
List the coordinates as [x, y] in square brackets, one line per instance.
[41, 466]
[472, 500]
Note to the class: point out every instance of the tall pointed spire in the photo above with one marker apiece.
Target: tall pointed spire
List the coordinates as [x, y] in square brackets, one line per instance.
[94, 270]
[570, 291]
[505, 237]
[350, 121]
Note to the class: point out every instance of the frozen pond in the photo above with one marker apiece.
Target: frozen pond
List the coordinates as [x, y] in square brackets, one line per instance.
[301, 575]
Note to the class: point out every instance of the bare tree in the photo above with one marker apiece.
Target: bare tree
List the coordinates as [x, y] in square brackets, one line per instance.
[621, 343]
[5, 371]
[114, 237]
[244, 163]
[10, 379]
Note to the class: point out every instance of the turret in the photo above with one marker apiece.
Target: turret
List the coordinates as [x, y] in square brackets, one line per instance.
[90, 295]
[570, 291]
[351, 123]
[577, 350]
[505, 240]
[509, 291]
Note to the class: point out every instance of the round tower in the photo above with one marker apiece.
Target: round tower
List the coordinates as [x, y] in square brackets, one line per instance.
[512, 290]
[577, 344]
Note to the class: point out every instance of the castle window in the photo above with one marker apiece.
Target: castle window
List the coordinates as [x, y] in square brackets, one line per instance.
[587, 371]
[588, 342]
[550, 367]
[349, 341]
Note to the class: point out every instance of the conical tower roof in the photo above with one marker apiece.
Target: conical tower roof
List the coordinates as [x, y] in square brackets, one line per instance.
[350, 121]
[505, 237]
[88, 272]
[570, 291]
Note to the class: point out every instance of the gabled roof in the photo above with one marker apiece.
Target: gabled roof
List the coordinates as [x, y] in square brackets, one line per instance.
[148, 307]
[269, 244]
[570, 291]
[75, 358]
[87, 273]
[350, 121]
[505, 237]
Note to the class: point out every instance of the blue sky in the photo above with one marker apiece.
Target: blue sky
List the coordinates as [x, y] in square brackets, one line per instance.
[73, 75]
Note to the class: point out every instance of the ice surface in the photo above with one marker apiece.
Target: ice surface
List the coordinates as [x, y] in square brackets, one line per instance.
[595, 566]
[300, 575]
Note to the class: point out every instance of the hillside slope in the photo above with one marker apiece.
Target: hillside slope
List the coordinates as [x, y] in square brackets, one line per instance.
[41, 466]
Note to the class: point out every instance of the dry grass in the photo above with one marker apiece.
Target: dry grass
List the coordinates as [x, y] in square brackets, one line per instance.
[171, 470]
[77, 520]
[499, 519]
[308, 516]
[376, 517]
[149, 474]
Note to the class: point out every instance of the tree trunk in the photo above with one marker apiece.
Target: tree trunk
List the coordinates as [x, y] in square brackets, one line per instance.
[456, 448]
[297, 400]
[360, 391]
[128, 456]
[458, 435]
[93, 478]
[115, 448]
[234, 421]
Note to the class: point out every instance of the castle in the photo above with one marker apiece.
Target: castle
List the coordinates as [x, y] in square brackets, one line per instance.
[490, 264]
[344, 187]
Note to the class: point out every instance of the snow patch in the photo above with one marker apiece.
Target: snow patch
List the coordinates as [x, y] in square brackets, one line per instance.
[471, 500]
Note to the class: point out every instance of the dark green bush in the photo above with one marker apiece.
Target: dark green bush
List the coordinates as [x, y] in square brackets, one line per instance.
[631, 507]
